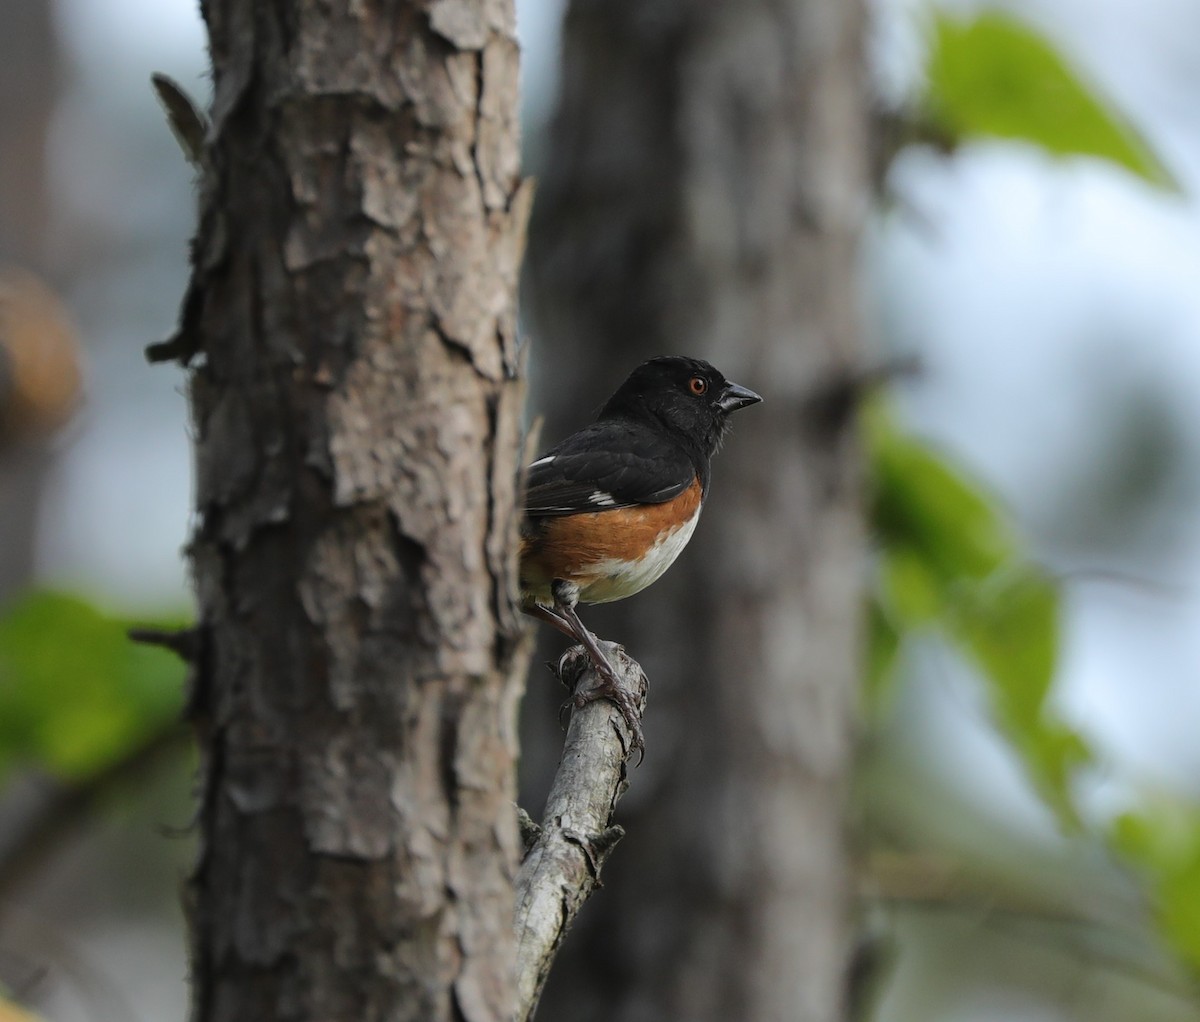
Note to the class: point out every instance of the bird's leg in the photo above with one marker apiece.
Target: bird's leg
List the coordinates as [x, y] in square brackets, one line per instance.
[551, 618]
[609, 688]
[555, 620]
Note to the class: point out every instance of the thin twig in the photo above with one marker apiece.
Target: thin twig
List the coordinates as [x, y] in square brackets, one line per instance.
[182, 642]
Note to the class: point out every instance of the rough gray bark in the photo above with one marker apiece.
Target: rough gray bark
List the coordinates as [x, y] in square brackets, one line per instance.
[704, 193]
[355, 397]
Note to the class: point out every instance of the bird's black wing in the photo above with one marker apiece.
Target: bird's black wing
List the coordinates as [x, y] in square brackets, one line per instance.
[607, 465]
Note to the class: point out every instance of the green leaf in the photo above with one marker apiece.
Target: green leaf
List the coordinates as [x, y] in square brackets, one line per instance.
[949, 560]
[994, 76]
[883, 645]
[1052, 753]
[911, 592]
[1010, 627]
[75, 693]
[1163, 841]
[923, 506]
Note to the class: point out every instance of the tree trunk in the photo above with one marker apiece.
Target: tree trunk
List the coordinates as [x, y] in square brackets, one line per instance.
[31, 71]
[704, 194]
[355, 397]
[31, 332]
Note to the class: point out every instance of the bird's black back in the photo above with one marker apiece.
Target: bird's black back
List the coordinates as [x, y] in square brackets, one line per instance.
[652, 439]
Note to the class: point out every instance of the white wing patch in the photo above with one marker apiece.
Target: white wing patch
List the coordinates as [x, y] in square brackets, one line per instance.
[544, 461]
[601, 499]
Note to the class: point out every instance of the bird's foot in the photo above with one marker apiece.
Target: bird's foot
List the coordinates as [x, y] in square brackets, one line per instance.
[611, 690]
[605, 685]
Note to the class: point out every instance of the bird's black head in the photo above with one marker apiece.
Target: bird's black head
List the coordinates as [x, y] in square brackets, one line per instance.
[687, 396]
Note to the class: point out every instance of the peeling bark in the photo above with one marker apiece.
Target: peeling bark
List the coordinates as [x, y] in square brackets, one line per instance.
[355, 395]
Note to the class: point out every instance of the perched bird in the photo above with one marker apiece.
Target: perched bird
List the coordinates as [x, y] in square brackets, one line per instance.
[609, 508]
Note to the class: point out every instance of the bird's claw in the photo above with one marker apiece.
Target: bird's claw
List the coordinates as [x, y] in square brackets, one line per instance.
[570, 668]
[609, 688]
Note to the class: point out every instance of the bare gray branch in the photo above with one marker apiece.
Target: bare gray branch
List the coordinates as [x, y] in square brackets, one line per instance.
[562, 867]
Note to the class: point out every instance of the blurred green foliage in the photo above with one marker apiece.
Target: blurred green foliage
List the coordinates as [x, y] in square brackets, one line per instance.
[76, 695]
[950, 564]
[1009, 624]
[1162, 840]
[995, 76]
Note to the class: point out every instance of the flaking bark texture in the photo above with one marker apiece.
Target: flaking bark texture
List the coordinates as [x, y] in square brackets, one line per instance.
[704, 194]
[355, 395]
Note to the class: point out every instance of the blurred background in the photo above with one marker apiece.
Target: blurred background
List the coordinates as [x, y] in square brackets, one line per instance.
[1027, 805]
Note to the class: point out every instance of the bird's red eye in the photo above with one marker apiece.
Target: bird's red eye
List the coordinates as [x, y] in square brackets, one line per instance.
[697, 384]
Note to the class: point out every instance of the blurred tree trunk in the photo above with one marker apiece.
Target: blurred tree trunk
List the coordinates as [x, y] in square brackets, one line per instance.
[350, 327]
[30, 82]
[704, 192]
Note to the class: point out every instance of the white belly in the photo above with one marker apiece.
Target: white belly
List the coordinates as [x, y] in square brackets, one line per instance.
[616, 579]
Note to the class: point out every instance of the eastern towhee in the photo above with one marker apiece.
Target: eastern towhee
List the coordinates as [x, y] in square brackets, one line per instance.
[608, 509]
